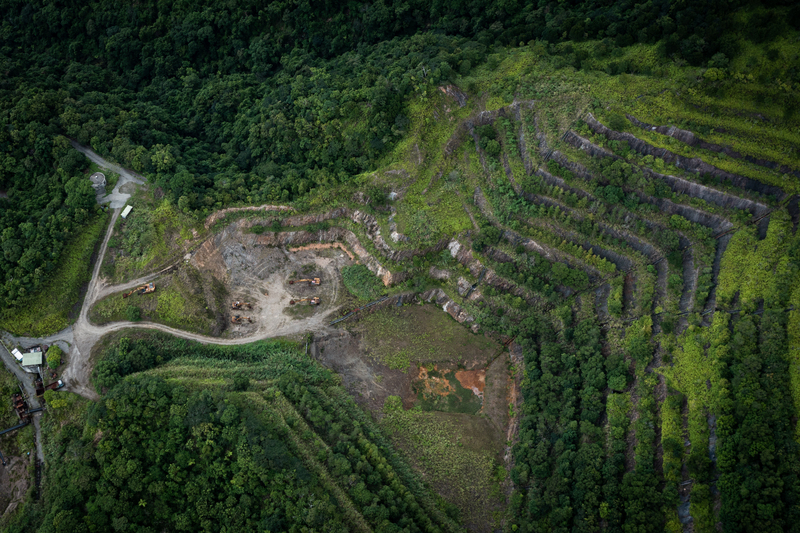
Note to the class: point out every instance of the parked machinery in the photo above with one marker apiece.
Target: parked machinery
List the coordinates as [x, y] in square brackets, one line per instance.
[311, 301]
[311, 281]
[238, 319]
[240, 305]
[144, 289]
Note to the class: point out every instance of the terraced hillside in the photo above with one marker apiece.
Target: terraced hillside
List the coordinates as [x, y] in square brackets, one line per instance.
[560, 294]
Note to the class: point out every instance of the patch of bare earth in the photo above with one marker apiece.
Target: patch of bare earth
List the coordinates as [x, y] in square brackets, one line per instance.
[14, 483]
[366, 379]
[474, 380]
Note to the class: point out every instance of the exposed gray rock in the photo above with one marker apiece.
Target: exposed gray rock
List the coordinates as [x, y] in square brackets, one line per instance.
[463, 286]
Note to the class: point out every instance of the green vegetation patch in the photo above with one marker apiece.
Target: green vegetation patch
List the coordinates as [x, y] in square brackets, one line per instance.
[50, 309]
[422, 334]
[179, 301]
[457, 453]
[362, 283]
[255, 449]
[155, 235]
[442, 391]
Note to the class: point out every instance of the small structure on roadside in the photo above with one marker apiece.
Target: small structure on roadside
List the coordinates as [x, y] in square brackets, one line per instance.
[126, 211]
[98, 180]
[33, 359]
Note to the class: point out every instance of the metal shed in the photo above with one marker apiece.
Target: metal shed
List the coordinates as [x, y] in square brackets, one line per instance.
[32, 359]
[126, 211]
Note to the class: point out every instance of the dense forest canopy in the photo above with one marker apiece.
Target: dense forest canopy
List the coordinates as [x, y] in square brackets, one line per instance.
[253, 101]
[273, 443]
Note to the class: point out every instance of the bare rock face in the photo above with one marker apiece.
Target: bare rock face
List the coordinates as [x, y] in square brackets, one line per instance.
[463, 286]
[304, 220]
[448, 305]
[361, 198]
[455, 93]
[439, 273]
[373, 230]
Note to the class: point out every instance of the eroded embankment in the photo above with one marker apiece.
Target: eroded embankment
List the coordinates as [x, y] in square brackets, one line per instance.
[678, 185]
[704, 218]
[690, 139]
[695, 164]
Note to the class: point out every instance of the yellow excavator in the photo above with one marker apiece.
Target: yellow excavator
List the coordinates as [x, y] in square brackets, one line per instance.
[240, 305]
[311, 281]
[144, 289]
[311, 301]
[238, 319]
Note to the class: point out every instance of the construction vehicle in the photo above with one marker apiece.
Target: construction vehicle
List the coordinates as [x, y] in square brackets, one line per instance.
[311, 281]
[240, 305]
[55, 385]
[144, 289]
[311, 301]
[237, 319]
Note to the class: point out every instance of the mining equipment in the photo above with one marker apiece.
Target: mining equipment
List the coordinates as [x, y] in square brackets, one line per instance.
[311, 301]
[21, 407]
[144, 289]
[312, 281]
[240, 305]
[55, 385]
[237, 319]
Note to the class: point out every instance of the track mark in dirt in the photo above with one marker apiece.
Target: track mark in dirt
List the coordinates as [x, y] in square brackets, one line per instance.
[323, 246]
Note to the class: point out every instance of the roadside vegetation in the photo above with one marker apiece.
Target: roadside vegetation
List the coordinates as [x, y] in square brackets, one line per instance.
[180, 301]
[56, 305]
[155, 235]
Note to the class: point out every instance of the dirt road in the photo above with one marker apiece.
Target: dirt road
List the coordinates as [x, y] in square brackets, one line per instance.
[116, 197]
[83, 335]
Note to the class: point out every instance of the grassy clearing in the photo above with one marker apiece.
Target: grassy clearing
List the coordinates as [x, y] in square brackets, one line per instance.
[49, 310]
[424, 334]
[153, 236]
[457, 454]
[179, 302]
[362, 283]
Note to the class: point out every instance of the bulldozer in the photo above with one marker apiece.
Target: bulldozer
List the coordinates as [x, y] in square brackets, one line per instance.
[311, 281]
[240, 305]
[311, 301]
[144, 289]
[238, 319]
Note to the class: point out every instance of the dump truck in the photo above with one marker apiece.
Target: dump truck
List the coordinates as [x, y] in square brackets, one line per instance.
[237, 319]
[143, 289]
[311, 301]
[55, 385]
[311, 281]
[240, 305]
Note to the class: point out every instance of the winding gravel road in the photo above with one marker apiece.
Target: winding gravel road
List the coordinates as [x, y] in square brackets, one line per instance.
[83, 335]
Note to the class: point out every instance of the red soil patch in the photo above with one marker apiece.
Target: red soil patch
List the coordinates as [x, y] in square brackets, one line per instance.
[433, 384]
[474, 380]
